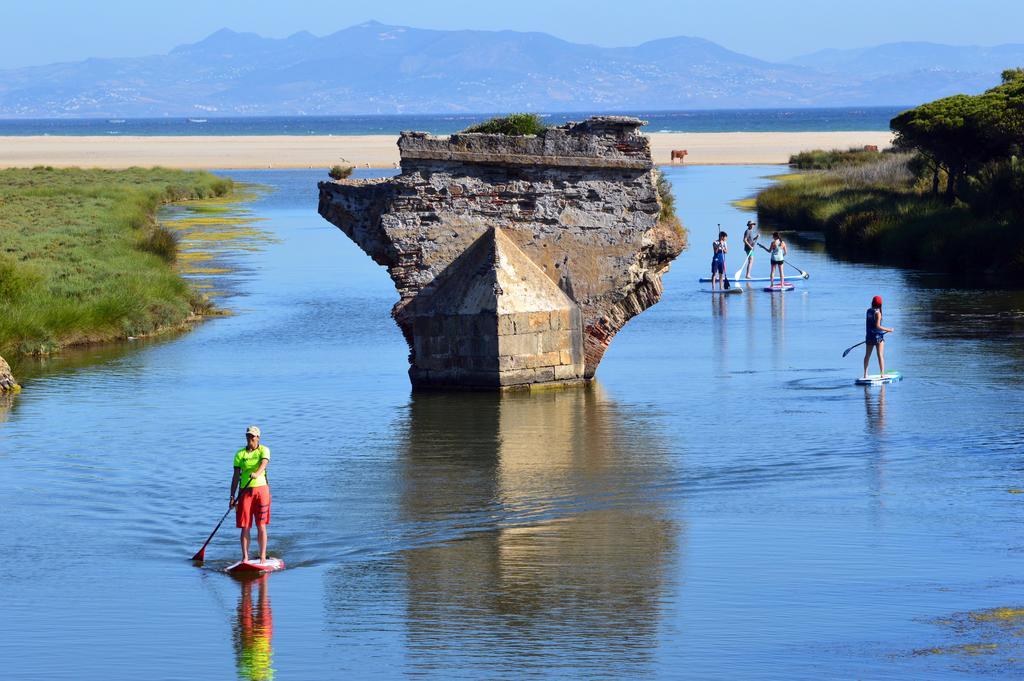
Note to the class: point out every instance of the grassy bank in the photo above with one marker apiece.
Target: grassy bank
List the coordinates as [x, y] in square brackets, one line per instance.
[883, 212]
[82, 258]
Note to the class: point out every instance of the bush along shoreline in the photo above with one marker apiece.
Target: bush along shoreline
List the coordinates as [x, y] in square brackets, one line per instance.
[949, 197]
[84, 260]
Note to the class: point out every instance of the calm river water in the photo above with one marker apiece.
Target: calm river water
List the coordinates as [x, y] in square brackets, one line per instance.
[723, 504]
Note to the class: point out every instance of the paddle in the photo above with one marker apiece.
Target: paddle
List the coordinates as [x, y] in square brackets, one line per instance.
[803, 274]
[725, 280]
[202, 552]
[847, 351]
[744, 263]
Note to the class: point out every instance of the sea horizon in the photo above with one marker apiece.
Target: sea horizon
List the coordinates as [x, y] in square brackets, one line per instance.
[695, 121]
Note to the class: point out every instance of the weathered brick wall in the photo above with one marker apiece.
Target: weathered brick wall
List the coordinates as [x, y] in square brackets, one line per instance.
[579, 201]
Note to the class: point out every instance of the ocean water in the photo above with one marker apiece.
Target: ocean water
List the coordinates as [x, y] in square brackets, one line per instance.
[731, 120]
[723, 502]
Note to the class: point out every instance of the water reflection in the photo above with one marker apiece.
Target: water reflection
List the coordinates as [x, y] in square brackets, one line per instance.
[874, 408]
[719, 330]
[253, 631]
[558, 551]
[778, 315]
[6, 404]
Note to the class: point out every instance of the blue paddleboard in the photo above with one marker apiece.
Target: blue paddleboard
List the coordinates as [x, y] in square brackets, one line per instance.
[879, 379]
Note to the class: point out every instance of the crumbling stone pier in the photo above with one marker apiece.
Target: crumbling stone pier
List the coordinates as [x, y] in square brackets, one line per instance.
[516, 258]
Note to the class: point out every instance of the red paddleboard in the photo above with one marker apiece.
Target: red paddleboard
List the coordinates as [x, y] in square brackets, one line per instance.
[779, 287]
[255, 566]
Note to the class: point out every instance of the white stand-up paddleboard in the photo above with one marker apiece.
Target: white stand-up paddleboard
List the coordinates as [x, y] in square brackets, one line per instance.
[879, 379]
[777, 288]
[255, 566]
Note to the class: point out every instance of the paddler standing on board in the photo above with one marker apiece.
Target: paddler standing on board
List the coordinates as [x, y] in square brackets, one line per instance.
[253, 502]
[749, 240]
[718, 249]
[778, 253]
[874, 338]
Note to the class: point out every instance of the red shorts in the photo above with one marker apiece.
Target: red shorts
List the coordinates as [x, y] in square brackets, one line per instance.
[253, 507]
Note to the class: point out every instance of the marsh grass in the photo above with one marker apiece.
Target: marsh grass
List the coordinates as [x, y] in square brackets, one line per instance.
[160, 242]
[82, 258]
[827, 159]
[209, 233]
[880, 213]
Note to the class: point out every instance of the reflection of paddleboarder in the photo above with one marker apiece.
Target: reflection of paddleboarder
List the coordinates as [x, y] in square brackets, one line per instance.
[253, 651]
[253, 506]
[874, 337]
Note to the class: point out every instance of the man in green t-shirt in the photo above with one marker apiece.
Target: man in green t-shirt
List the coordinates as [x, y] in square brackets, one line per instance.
[253, 502]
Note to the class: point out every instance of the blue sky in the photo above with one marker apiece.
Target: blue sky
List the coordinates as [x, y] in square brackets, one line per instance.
[46, 31]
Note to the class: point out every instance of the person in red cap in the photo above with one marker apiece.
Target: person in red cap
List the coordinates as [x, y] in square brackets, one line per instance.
[875, 335]
[253, 503]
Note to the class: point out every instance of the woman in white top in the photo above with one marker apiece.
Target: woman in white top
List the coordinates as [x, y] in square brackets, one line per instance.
[778, 252]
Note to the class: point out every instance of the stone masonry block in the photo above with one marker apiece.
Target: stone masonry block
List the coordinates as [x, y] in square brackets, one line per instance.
[554, 341]
[506, 325]
[568, 372]
[519, 344]
[561, 320]
[546, 359]
[518, 377]
[544, 375]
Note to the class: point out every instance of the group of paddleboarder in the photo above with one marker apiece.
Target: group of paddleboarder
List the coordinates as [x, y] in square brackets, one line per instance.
[777, 252]
[250, 491]
[874, 333]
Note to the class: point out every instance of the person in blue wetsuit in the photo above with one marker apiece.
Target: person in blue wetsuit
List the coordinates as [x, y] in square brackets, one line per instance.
[719, 248]
[874, 338]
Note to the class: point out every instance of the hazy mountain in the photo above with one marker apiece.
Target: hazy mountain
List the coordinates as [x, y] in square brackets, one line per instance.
[902, 58]
[373, 68]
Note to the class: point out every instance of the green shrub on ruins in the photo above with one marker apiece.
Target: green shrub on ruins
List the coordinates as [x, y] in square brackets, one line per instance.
[82, 257]
[667, 202]
[513, 124]
[340, 172]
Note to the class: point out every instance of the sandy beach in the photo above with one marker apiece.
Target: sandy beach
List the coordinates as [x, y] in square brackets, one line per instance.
[377, 151]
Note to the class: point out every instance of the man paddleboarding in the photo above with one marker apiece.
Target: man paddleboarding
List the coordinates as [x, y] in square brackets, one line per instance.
[750, 236]
[253, 501]
[874, 338]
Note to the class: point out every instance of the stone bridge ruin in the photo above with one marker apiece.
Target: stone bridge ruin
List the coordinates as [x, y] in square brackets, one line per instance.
[516, 258]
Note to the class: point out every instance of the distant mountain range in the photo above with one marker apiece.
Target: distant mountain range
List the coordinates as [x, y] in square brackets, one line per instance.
[373, 68]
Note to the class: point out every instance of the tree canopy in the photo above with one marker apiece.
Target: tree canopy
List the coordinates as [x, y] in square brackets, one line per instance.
[959, 134]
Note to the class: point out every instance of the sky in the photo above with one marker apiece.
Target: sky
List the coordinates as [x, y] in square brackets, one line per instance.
[47, 31]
